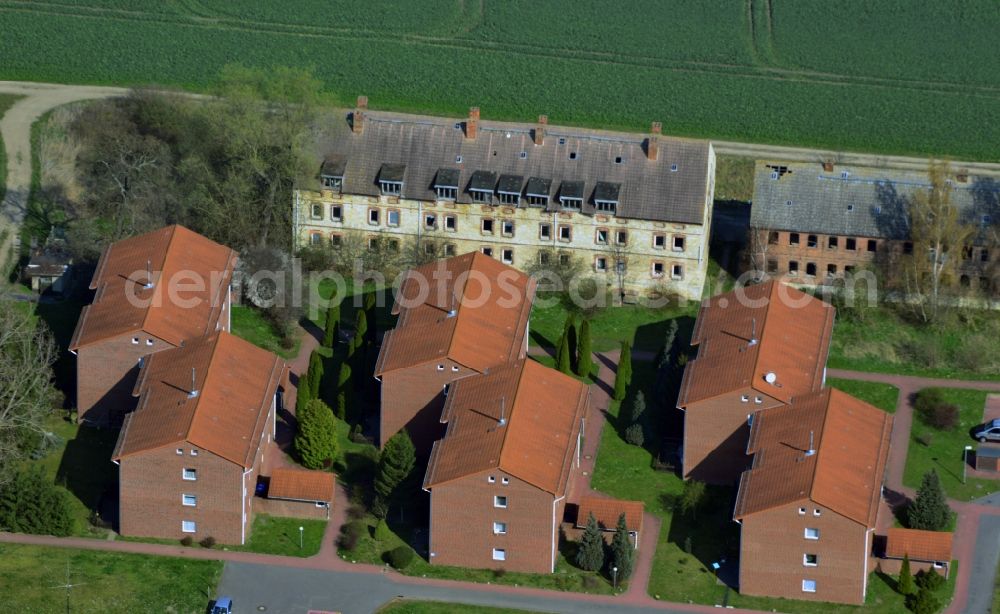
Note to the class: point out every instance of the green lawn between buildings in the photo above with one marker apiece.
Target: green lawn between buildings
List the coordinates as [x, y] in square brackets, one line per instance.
[269, 535]
[110, 583]
[883, 396]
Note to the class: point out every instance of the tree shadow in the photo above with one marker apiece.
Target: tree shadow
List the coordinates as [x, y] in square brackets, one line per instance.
[543, 342]
[312, 329]
[898, 503]
[709, 533]
[85, 468]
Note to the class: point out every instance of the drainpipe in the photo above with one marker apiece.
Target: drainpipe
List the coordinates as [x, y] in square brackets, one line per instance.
[243, 527]
[555, 537]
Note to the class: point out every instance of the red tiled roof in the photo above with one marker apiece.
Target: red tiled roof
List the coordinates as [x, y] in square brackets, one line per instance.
[301, 485]
[919, 545]
[606, 512]
[179, 259]
[541, 408]
[850, 440]
[491, 303]
[236, 383]
[792, 333]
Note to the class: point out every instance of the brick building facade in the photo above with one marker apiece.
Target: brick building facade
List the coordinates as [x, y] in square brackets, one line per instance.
[633, 211]
[153, 292]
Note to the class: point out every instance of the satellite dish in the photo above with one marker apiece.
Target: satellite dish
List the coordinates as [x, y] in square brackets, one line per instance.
[770, 377]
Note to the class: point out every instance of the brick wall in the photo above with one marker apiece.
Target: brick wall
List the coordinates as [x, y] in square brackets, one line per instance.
[106, 372]
[773, 547]
[413, 398]
[462, 514]
[716, 433]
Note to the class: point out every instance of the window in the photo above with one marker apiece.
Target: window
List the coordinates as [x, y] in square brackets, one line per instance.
[811, 269]
[449, 250]
[851, 244]
[772, 238]
[446, 388]
[430, 221]
[187, 526]
[544, 257]
[315, 238]
[849, 269]
[793, 238]
[507, 256]
[458, 159]
[811, 241]
[758, 400]
[850, 208]
[499, 501]
[194, 452]
[481, 196]
[810, 560]
[572, 155]
[872, 245]
[602, 236]
[446, 193]
[507, 228]
[659, 241]
[507, 198]
[772, 266]
[744, 399]
[491, 479]
[499, 528]
[523, 155]
[336, 213]
[809, 586]
[393, 217]
[802, 511]
[621, 237]
[335, 239]
[373, 216]
[317, 212]
[135, 341]
[793, 267]
[673, 168]
[605, 206]
[618, 160]
[189, 500]
[505, 481]
[545, 231]
[190, 474]
[831, 269]
[450, 223]
[429, 248]
[391, 188]
[571, 203]
[565, 233]
[538, 201]
[907, 247]
[487, 226]
[817, 512]
[811, 533]
[600, 264]
[180, 451]
[454, 369]
[677, 271]
[831, 242]
[657, 269]
[440, 367]
[333, 183]
[487, 251]
[499, 554]
[563, 259]
[678, 244]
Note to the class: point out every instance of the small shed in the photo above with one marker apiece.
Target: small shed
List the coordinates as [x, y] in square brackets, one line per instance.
[987, 458]
[606, 511]
[926, 549]
[49, 269]
[301, 493]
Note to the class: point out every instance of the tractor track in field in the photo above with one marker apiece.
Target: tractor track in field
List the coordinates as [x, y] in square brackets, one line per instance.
[462, 44]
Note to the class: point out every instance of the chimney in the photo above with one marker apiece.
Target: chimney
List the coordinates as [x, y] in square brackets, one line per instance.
[543, 121]
[503, 417]
[811, 450]
[653, 142]
[194, 390]
[149, 274]
[472, 124]
[827, 166]
[962, 176]
[358, 118]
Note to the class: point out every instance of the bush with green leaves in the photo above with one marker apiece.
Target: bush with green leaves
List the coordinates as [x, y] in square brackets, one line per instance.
[590, 554]
[395, 464]
[30, 503]
[399, 557]
[351, 533]
[635, 435]
[929, 510]
[623, 377]
[622, 552]
[935, 410]
[315, 376]
[316, 437]
[383, 534]
[923, 602]
[930, 579]
[343, 391]
[905, 585]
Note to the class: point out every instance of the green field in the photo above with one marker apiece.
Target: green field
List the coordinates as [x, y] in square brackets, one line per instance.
[895, 76]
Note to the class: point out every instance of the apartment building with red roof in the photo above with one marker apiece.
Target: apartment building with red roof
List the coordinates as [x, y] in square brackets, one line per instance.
[153, 292]
[189, 455]
[457, 318]
[499, 478]
[757, 347]
[807, 507]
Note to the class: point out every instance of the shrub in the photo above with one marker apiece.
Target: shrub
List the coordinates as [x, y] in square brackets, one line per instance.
[590, 582]
[351, 533]
[499, 572]
[943, 417]
[187, 540]
[923, 602]
[634, 435]
[382, 532]
[395, 464]
[934, 409]
[399, 557]
[379, 508]
[316, 439]
[30, 503]
[930, 580]
[208, 542]
[355, 512]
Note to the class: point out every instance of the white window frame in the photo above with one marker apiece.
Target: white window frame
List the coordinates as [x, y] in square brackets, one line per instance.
[388, 218]
[499, 528]
[507, 255]
[806, 535]
[805, 560]
[505, 481]
[189, 526]
[809, 586]
[499, 554]
[188, 500]
[497, 499]
[187, 471]
[491, 479]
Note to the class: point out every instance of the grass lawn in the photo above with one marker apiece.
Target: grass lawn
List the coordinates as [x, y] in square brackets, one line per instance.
[249, 324]
[880, 395]
[734, 178]
[104, 582]
[945, 450]
[410, 606]
[274, 535]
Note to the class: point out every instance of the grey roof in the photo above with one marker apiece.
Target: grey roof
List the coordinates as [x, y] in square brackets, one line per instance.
[538, 186]
[649, 190]
[856, 201]
[333, 166]
[571, 189]
[606, 191]
[510, 184]
[483, 181]
[447, 178]
[392, 172]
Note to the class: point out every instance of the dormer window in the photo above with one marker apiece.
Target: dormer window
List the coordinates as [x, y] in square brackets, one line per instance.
[481, 187]
[509, 189]
[571, 195]
[606, 196]
[446, 184]
[332, 183]
[537, 191]
[331, 174]
[390, 179]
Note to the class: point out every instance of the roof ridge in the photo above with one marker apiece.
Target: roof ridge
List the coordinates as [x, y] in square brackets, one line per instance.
[197, 399]
[457, 304]
[513, 404]
[760, 339]
[275, 376]
[163, 264]
[816, 446]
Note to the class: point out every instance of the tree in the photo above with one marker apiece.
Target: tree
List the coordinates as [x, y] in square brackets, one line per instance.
[668, 344]
[624, 375]
[924, 602]
[622, 552]
[360, 343]
[692, 497]
[395, 464]
[315, 375]
[938, 235]
[929, 511]
[584, 359]
[562, 356]
[590, 555]
[571, 339]
[30, 503]
[635, 434]
[303, 393]
[371, 320]
[906, 586]
[638, 407]
[27, 395]
[332, 323]
[316, 438]
[343, 390]
[383, 535]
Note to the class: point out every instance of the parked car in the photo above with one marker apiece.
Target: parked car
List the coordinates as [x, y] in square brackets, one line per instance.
[223, 605]
[988, 432]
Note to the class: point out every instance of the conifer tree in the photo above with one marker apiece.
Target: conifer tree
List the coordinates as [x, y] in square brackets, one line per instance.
[906, 585]
[303, 393]
[638, 407]
[562, 356]
[622, 552]
[571, 339]
[624, 375]
[316, 438]
[395, 464]
[590, 555]
[584, 360]
[929, 511]
[315, 374]
[343, 390]
[332, 323]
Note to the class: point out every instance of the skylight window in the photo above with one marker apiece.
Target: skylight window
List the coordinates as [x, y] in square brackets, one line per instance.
[673, 168]
[619, 160]
[572, 155]
[523, 155]
[458, 159]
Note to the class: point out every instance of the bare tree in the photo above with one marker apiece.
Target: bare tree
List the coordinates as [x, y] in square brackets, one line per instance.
[27, 395]
[758, 244]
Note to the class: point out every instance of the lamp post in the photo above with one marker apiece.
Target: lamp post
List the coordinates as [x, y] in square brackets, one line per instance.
[614, 577]
[300, 537]
[965, 462]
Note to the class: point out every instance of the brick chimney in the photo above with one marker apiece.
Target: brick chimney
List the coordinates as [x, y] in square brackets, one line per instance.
[827, 166]
[358, 118]
[472, 124]
[543, 121]
[653, 141]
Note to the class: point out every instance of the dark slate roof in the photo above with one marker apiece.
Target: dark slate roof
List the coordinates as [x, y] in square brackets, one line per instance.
[571, 189]
[606, 191]
[392, 172]
[510, 184]
[333, 166]
[483, 181]
[447, 178]
[649, 190]
[856, 201]
[538, 186]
